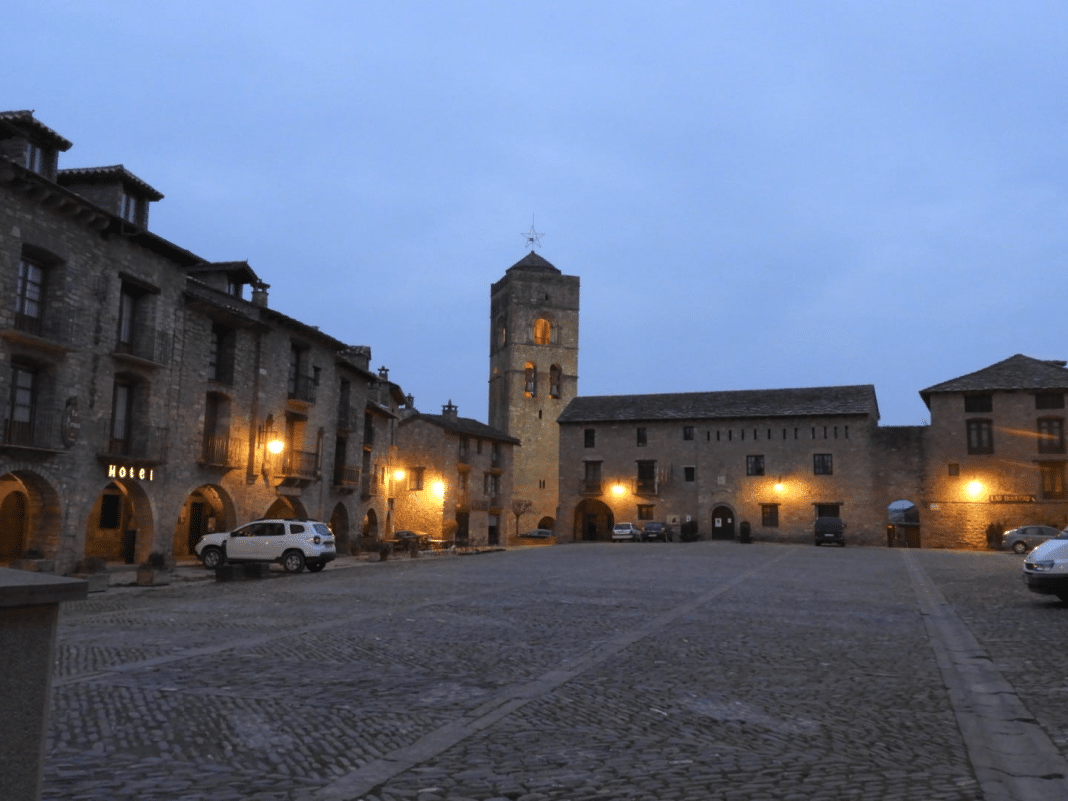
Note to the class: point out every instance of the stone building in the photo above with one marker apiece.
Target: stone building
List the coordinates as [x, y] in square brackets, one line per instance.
[146, 399]
[708, 461]
[453, 478]
[534, 316]
[995, 451]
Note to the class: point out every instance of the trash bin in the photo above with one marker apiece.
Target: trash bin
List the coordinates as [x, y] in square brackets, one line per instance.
[745, 532]
[129, 545]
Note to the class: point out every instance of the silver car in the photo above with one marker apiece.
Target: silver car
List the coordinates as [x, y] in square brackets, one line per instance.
[626, 532]
[1026, 538]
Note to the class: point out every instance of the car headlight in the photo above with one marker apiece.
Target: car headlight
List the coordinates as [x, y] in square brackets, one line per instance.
[1042, 564]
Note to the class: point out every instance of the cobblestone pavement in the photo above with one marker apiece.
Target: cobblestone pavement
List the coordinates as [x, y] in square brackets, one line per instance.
[672, 671]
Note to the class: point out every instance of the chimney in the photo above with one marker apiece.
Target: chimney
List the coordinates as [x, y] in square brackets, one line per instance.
[448, 411]
[259, 294]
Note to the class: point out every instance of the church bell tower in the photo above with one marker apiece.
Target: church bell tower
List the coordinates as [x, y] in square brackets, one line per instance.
[534, 316]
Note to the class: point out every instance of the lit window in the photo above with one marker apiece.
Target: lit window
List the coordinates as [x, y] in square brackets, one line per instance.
[543, 331]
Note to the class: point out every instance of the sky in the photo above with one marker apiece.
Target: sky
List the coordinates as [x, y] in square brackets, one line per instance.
[754, 194]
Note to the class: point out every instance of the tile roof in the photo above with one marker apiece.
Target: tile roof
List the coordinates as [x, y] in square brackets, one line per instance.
[532, 262]
[462, 425]
[95, 174]
[858, 399]
[26, 120]
[1015, 372]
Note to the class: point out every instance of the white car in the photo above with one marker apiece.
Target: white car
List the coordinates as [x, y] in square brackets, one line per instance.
[295, 544]
[1045, 569]
[626, 532]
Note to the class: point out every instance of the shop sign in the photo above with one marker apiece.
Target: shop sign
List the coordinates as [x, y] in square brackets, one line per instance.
[1012, 498]
[140, 473]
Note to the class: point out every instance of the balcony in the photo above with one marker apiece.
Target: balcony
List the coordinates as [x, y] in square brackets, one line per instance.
[645, 486]
[146, 346]
[142, 444]
[368, 488]
[300, 464]
[592, 487]
[39, 433]
[302, 388]
[346, 477]
[225, 452]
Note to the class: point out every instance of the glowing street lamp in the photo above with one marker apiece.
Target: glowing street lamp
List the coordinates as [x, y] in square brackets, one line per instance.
[398, 475]
[618, 490]
[438, 488]
[975, 489]
[276, 446]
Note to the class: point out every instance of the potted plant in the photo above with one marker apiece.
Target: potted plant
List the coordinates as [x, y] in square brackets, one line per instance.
[94, 570]
[154, 571]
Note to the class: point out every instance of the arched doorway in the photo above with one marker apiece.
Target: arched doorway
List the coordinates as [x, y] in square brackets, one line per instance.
[120, 527]
[339, 524]
[593, 521]
[722, 523]
[369, 529]
[547, 522]
[902, 525]
[29, 517]
[207, 509]
[285, 508]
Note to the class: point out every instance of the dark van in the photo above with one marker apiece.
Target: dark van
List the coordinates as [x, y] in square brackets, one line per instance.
[830, 530]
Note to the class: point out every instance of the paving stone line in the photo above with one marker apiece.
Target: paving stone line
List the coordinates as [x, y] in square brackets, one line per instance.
[1012, 756]
[362, 781]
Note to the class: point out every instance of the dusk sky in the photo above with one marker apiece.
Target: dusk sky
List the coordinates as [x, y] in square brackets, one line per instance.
[753, 194]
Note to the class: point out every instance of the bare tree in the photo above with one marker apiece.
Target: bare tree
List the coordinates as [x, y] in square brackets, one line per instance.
[520, 508]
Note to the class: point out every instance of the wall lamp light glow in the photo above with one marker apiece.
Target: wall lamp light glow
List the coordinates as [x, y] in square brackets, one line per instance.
[975, 488]
[398, 475]
[276, 446]
[779, 486]
[618, 490]
[438, 488]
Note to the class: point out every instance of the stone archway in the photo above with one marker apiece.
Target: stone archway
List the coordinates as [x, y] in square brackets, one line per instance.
[30, 517]
[722, 523]
[286, 508]
[207, 509]
[547, 522]
[903, 525]
[369, 529]
[339, 525]
[593, 521]
[121, 526]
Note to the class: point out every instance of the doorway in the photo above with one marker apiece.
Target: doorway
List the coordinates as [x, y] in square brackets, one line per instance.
[722, 523]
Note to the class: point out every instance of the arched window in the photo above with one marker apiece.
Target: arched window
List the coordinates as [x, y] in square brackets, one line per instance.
[531, 385]
[554, 381]
[502, 332]
[543, 331]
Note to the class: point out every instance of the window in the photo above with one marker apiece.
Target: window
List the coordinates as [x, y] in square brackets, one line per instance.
[647, 477]
[754, 465]
[1051, 435]
[415, 478]
[1052, 480]
[689, 473]
[1049, 400]
[39, 160]
[530, 387]
[645, 511]
[979, 404]
[133, 209]
[821, 464]
[643, 437]
[301, 384]
[769, 515]
[216, 430]
[121, 416]
[592, 476]
[954, 469]
[465, 448]
[129, 302]
[554, 381]
[221, 357]
[589, 437]
[29, 296]
[687, 432]
[22, 408]
[980, 436]
[491, 484]
[502, 333]
[543, 331]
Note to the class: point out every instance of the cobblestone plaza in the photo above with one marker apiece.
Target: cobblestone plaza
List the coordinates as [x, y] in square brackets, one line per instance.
[707, 670]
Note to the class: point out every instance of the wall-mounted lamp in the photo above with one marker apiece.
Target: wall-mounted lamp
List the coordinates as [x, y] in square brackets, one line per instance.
[398, 475]
[272, 443]
[618, 490]
[438, 488]
[779, 486]
[974, 489]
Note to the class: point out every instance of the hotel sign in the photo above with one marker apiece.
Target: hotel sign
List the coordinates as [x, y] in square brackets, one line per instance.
[1012, 498]
[140, 473]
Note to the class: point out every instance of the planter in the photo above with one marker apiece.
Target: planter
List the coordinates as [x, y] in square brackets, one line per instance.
[149, 577]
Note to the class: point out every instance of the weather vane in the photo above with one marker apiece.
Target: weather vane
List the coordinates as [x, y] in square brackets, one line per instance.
[532, 236]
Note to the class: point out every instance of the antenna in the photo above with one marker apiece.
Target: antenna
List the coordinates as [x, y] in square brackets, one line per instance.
[532, 236]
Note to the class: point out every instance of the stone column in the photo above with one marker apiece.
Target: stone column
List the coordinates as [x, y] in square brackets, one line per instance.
[29, 609]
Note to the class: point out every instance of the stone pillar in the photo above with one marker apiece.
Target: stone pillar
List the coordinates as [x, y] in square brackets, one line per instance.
[29, 609]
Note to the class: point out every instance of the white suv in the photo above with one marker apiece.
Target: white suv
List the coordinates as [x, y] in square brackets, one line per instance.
[295, 544]
[1045, 569]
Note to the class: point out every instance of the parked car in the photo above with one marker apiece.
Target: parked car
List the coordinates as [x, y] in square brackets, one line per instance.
[537, 534]
[1024, 538]
[294, 544]
[656, 531]
[403, 539]
[625, 532]
[1045, 569]
[830, 530]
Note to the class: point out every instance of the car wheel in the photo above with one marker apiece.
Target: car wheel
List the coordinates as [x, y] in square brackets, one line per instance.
[293, 561]
[212, 558]
[315, 567]
[1019, 547]
[818, 543]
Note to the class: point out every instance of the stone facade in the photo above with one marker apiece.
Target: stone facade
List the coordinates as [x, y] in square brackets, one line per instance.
[142, 390]
[454, 480]
[534, 317]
